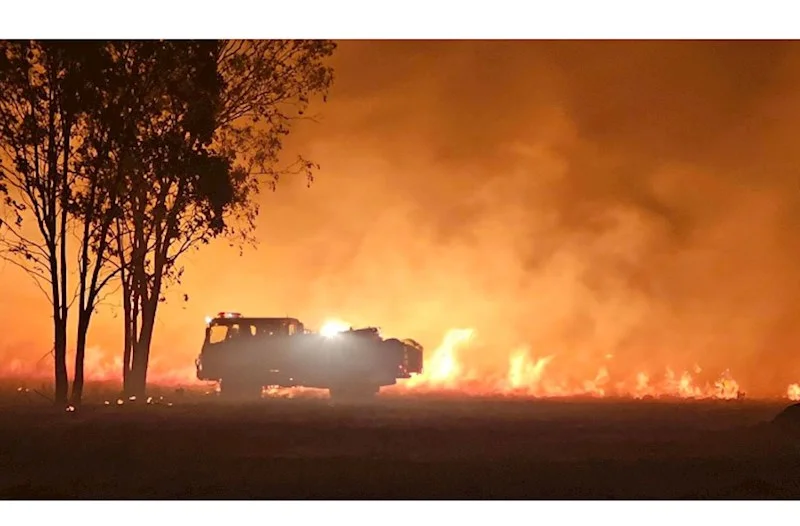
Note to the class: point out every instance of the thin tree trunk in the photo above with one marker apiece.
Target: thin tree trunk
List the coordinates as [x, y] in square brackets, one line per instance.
[60, 362]
[59, 267]
[64, 201]
[127, 350]
[130, 313]
[61, 392]
[80, 353]
[135, 311]
[150, 298]
[130, 294]
[141, 351]
[125, 276]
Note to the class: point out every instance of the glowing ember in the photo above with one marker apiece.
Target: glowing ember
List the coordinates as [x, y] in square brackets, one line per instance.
[793, 393]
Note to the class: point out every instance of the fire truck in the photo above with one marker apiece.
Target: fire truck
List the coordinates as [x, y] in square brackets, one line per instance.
[245, 354]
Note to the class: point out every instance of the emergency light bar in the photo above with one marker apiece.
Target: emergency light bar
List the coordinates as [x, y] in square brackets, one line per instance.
[229, 315]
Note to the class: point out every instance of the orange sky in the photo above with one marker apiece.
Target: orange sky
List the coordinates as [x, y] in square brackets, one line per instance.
[639, 200]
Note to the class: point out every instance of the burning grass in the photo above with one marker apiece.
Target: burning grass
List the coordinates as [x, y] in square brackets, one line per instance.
[448, 371]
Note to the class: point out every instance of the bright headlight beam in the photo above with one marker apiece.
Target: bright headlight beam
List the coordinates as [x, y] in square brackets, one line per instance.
[333, 327]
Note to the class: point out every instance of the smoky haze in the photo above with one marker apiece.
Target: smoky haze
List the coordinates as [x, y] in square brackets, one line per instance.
[632, 205]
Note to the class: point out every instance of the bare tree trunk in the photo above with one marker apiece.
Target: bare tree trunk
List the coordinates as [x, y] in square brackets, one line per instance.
[125, 276]
[149, 294]
[127, 351]
[63, 190]
[141, 351]
[60, 362]
[58, 280]
[131, 308]
[59, 336]
[80, 353]
[130, 291]
[58, 269]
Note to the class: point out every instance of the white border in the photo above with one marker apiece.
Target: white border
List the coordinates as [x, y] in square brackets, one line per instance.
[351, 19]
[376, 513]
[414, 19]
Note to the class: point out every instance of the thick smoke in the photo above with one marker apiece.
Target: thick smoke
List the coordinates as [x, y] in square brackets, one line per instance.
[631, 205]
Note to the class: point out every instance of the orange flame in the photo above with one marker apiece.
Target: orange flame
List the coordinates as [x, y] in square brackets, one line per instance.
[446, 369]
[528, 376]
[524, 374]
[443, 369]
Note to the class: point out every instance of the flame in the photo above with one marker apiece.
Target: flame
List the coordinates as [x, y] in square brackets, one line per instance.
[449, 368]
[643, 387]
[102, 366]
[530, 376]
[523, 373]
[683, 386]
[726, 387]
[443, 369]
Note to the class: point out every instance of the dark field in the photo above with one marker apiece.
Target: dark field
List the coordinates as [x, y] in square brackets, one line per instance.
[409, 448]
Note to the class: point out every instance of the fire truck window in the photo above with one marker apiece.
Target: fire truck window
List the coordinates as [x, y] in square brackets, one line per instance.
[233, 332]
[218, 333]
[291, 329]
[253, 329]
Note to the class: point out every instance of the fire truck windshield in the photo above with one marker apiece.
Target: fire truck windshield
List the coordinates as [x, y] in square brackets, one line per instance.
[229, 328]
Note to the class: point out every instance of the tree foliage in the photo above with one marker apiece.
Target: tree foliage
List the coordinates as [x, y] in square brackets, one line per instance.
[116, 158]
[231, 104]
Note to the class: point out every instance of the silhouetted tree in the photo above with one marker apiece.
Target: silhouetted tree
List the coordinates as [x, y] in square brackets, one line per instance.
[47, 95]
[226, 108]
[173, 175]
[73, 117]
[124, 100]
[141, 151]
